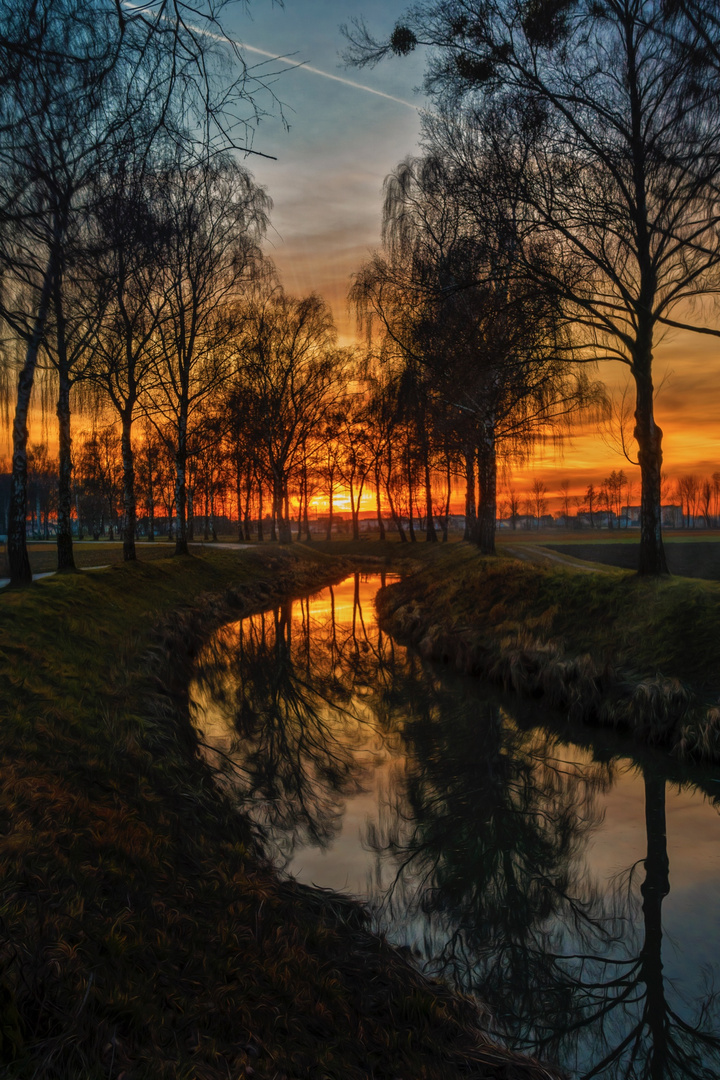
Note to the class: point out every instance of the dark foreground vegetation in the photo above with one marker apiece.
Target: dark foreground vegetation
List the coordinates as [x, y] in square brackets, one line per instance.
[614, 649]
[143, 933]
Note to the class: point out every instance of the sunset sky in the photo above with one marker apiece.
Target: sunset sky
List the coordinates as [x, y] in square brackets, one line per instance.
[326, 186]
[346, 130]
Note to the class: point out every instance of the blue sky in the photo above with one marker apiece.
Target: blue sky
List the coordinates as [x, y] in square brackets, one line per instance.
[342, 141]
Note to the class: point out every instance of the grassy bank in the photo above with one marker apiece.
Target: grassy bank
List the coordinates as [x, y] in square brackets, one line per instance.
[143, 935]
[612, 649]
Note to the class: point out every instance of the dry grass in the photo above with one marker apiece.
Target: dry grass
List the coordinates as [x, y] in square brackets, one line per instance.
[611, 649]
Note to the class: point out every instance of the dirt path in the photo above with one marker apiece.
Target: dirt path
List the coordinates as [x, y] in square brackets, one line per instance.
[535, 553]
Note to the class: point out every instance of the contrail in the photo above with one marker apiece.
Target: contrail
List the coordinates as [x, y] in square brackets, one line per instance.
[325, 74]
[290, 63]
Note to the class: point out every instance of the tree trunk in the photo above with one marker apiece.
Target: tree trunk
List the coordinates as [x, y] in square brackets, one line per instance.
[19, 563]
[129, 504]
[65, 558]
[381, 523]
[649, 439]
[394, 515]
[260, 511]
[306, 515]
[430, 533]
[411, 526]
[241, 535]
[246, 511]
[284, 513]
[487, 507]
[328, 534]
[181, 546]
[191, 512]
[274, 510]
[356, 515]
[352, 511]
[448, 493]
[470, 516]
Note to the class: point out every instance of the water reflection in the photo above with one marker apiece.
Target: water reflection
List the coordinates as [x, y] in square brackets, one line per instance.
[478, 848]
[282, 700]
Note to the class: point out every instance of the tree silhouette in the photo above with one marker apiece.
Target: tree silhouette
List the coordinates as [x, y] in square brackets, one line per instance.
[618, 175]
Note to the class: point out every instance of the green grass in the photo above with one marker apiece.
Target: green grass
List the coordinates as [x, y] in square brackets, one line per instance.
[43, 556]
[612, 647]
[143, 935]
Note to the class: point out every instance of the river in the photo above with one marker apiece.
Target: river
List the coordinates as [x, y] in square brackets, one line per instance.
[565, 877]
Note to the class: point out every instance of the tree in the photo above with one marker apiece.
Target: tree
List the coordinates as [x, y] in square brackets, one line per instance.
[617, 140]
[565, 495]
[214, 216]
[127, 254]
[591, 499]
[77, 81]
[291, 375]
[478, 342]
[540, 503]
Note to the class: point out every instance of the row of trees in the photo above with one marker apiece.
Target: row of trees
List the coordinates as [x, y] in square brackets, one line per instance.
[227, 481]
[565, 205]
[106, 108]
[577, 145]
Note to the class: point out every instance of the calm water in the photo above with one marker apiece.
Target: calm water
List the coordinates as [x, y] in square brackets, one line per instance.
[567, 879]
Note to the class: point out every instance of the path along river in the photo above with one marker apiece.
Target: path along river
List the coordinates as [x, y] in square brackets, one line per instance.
[567, 879]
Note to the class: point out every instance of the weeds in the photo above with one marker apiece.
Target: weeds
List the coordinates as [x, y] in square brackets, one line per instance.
[641, 656]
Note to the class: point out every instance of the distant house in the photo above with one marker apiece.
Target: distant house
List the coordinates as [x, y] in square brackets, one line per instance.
[630, 517]
[672, 517]
[455, 522]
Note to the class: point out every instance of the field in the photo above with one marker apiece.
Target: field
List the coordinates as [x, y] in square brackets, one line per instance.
[697, 557]
[88, 553]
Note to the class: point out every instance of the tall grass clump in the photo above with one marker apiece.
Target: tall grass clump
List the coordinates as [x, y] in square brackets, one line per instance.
[612, 649]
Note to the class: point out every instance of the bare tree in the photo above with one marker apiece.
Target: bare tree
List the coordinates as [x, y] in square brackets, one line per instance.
[540, 503]
[78, 80]
[214, 216]
[617, 138]
[476, 339]
[126, 258]
[291, 375]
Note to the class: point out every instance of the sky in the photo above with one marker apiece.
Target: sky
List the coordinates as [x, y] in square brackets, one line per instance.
[326, 186]
[342, 140]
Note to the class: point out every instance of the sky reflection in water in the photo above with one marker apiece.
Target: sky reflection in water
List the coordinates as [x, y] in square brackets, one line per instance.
[527, 863]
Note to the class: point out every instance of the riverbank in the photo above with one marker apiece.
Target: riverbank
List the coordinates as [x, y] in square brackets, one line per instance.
[610, 648]
[143, 933]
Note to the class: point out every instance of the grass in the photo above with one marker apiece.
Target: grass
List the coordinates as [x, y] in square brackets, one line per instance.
[143, 934]
[43, 555]
[612, 648]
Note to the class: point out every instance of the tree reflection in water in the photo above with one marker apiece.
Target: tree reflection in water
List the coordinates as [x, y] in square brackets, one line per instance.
[486, 829]
[483, 826]
[282, 700]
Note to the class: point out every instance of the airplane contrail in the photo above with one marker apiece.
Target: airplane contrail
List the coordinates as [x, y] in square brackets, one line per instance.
[326, 75]
[291, 63]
